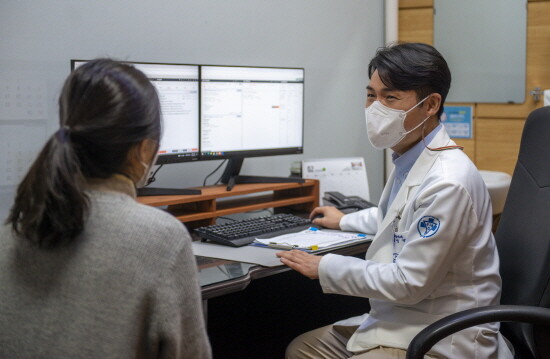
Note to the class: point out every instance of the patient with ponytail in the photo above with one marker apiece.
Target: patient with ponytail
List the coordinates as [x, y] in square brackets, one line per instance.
[85, 270]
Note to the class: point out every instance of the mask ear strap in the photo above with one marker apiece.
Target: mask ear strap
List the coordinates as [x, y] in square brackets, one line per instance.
[418, 104]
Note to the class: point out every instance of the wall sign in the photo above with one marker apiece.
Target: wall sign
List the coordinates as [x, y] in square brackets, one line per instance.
[458, 121]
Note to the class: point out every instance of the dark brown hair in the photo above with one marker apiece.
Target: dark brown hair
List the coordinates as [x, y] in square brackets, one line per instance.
[413, 66]
[105, 109]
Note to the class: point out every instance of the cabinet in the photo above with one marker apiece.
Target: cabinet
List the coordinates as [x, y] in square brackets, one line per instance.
[202, 210]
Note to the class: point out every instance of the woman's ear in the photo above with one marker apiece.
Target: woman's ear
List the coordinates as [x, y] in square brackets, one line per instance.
[146, 150]
[140, 154]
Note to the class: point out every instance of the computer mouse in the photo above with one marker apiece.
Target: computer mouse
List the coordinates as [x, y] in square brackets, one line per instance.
[317, 216]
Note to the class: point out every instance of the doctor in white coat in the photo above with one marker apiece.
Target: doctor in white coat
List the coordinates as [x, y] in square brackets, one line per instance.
[433, 253]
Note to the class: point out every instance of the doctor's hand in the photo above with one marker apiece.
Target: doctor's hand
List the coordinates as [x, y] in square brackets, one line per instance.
[305, 263]
[328, 217]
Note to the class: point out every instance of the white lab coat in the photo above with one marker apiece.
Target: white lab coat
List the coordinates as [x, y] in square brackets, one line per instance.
[433, 255]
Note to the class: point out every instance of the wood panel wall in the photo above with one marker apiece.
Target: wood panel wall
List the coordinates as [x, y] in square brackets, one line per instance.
[497, 127]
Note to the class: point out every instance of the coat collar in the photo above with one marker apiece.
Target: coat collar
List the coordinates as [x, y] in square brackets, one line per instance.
[414, 178]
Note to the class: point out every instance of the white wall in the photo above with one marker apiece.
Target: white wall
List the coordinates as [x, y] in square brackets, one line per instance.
[332, 40]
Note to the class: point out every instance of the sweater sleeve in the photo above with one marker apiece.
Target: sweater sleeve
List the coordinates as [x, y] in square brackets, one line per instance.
[179, 315]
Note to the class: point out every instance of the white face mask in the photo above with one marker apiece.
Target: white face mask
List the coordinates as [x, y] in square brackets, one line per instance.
[386, 126]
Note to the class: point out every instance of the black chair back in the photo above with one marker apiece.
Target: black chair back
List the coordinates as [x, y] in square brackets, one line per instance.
[523, 234]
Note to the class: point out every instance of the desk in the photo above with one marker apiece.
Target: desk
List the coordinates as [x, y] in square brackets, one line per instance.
[255, 311]
[222, 277]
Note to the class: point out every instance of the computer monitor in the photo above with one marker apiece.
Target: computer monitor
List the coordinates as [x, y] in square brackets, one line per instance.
[177, 87]
[249, 112]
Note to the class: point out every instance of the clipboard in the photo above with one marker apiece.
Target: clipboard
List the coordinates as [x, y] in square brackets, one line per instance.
[256, 253]
[313, 240]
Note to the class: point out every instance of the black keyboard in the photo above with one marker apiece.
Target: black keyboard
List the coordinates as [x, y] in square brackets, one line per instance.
[243, 232]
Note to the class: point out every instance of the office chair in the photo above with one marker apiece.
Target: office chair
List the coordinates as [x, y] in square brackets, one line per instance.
[523, 243]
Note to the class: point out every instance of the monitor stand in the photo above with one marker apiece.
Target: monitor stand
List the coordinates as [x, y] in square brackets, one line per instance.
[231, 176]
[152, 191]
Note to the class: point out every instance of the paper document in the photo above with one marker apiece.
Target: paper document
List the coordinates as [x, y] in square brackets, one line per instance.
[313, 239]
[345, 175]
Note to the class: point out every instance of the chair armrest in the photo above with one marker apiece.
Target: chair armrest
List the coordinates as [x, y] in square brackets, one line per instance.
[453, 323]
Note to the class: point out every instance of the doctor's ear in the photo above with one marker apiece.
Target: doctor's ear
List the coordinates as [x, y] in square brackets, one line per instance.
[432, 104]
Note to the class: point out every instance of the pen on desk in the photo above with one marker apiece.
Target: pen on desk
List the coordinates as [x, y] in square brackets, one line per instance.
[282, 246]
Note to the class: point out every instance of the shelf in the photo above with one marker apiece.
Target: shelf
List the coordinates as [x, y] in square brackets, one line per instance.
[215, 201]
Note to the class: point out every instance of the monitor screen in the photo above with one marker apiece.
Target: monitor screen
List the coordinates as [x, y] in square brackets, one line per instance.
[177, 86]
[251, 111]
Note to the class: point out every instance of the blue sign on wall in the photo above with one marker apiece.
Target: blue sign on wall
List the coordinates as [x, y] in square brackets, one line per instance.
[458, 121]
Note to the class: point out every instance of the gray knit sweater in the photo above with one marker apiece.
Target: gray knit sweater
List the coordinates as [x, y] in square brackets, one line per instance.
[126, 288]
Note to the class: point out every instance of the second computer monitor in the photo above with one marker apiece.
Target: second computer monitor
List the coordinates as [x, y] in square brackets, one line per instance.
[251, 111]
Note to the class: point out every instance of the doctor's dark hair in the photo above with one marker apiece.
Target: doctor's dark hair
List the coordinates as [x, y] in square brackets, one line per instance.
[105, 109]
[413, 66]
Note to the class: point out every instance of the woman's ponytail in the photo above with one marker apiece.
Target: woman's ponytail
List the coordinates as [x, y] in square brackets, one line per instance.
[106, 108]
[50, 204]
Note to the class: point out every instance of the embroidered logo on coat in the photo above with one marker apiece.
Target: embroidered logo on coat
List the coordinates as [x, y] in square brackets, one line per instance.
[428, 226]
